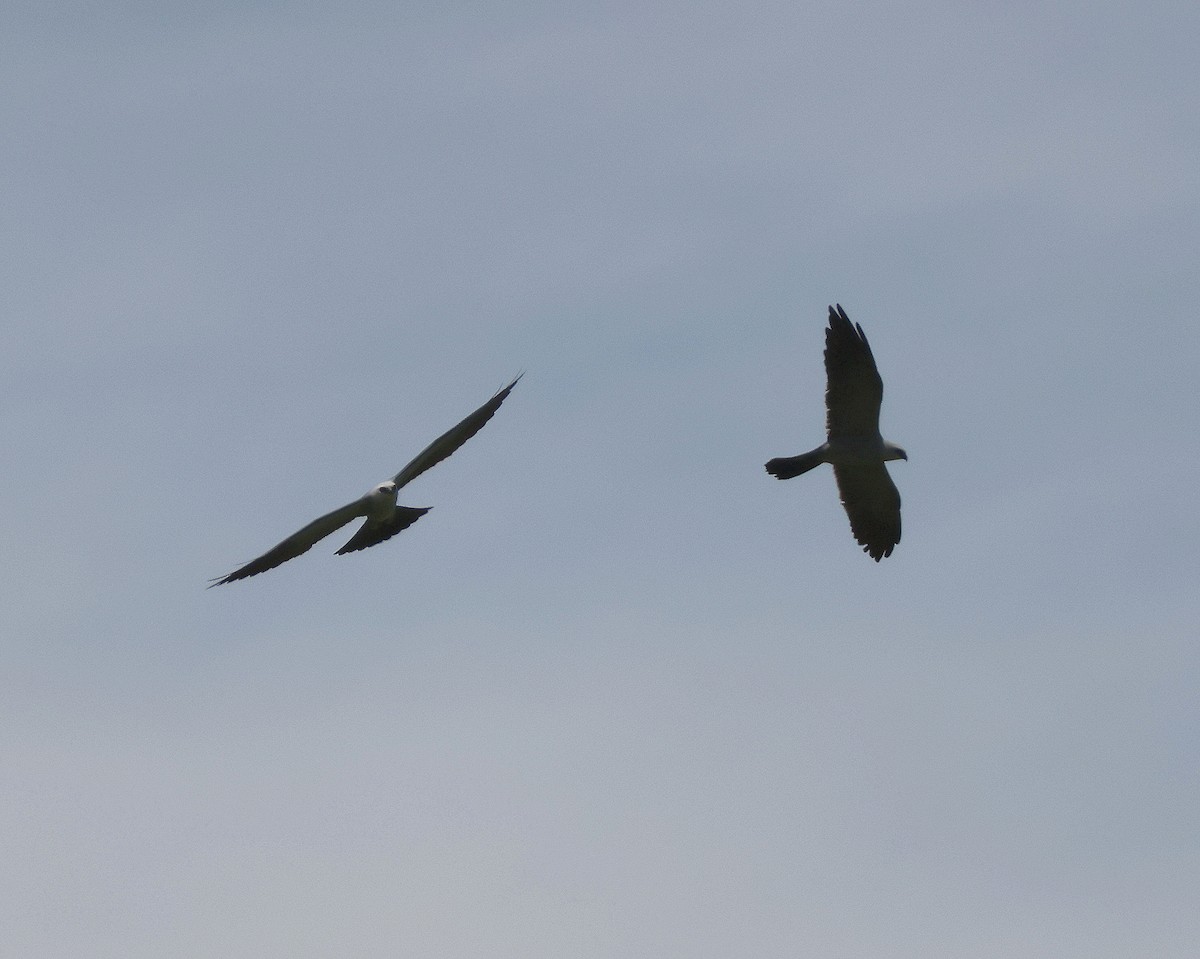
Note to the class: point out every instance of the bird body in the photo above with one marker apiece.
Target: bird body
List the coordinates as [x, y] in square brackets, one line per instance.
[854, 447]
[384, 516]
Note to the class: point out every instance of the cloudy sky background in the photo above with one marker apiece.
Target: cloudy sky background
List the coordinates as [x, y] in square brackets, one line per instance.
[620, 694]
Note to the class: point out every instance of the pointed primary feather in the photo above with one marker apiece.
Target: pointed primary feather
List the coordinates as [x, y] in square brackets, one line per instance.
[872, 502]
[453, 438]
[298, 543]
[854, 389]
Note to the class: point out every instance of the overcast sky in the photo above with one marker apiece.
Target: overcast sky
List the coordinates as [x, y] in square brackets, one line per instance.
[620, 695]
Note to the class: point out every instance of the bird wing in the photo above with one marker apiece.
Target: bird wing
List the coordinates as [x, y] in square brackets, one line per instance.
[452, 439]
[297, 543]
[873, 504]
[376, 531]
[854, 389]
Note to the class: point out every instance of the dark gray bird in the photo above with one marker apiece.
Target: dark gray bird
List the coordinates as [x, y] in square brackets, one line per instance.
[855, 448]
[384, 517]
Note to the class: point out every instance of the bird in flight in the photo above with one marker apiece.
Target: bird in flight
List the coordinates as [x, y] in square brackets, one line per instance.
[855, 448]
[384, 517]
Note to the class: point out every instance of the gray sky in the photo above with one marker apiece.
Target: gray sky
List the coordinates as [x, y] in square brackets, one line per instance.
[620, 694]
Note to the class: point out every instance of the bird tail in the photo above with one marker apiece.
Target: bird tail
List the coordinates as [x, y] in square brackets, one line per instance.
[785, 467]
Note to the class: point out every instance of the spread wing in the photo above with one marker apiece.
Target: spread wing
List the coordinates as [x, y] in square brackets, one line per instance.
[449, 441]
[297, 543]
[854, 389]
[873, 504]
[376, 531]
